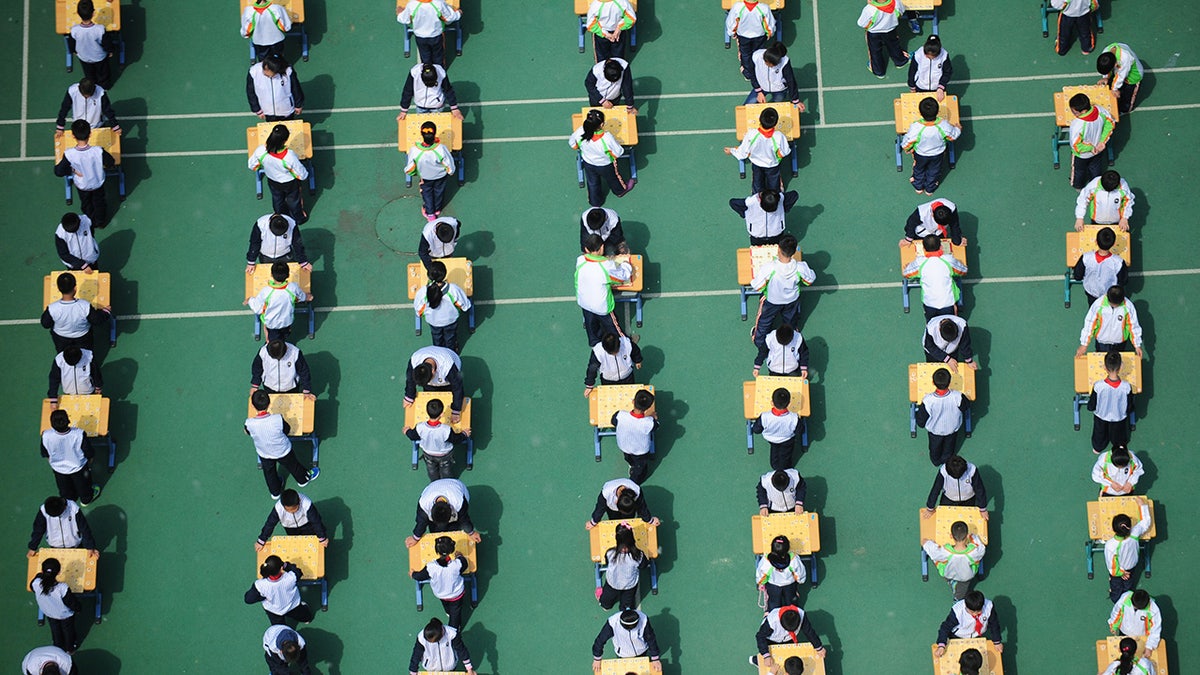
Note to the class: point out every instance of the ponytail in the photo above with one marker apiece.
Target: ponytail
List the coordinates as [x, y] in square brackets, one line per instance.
[433, 295]
[1129, 654]
[592, 123]
[49, 575]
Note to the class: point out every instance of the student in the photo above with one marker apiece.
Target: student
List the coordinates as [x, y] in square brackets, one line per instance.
[1136, 614]
[779, 281]
[61, 522]
[285, 173]
[948, 340]
[1119, 66]
[75, 243]
[781, 626]
[1117, 471]
[765, 220]
[428, 20]
[70, 455]
[75, 371]
[439, 648]
[939, 217]
[595, 277]
[439, 238]
[1105, 200]
[778, 427]
[441, 303]
[1090, 131]
[614, 358]
[284, 648]
[764, 147]
[436, 440]
[69, 319]
[1121, 553]
[608, 21]
[269, 431]
[429, 87]
[280, 368]
[771, 77]
[608, 83]
[1111, 403]
[635, 434]
[279, 592]
[87, 164]
[970, 662]
[275, 304]
[752, 24]
[435, 369]
[1128, 662]
[624, 562]
[632, 637]
[940, 294]
[48, 660]
[445, 577]
[606, 224]
[1075, 19]
[57, 603]
[444, 506]
[785, 353]
[880, 19]
[1100, 270]
[941, 414]
[620, 499]
[957, 562]
[972, 617]
[926, 140]
[299, 517]
[958, 483]
[87, 101]
[930, 69]
[92, 45]
[599, 151]
[275, 238]
[779, 574]
[266, 25]
[1111, 321]
[781, 491]
[273, 90]
[432, 163]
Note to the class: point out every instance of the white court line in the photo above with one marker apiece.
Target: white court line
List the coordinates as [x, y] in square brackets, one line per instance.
[820, 78]
[25, 81]
[555, 299]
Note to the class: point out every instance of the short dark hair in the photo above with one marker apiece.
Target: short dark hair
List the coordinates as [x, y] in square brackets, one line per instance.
[970, 661]
[280, 271]
[81, 130]
[768, 118]
[1110, 180]
[769, 200]
[1140, 599]
[86, 86]
[433, 630]
[70, 222]
[931, 243]
[436, 271]
[65, 283]
[444, 232]
[1112, 360]
[959, 530]
[941, 214]
[1106, 62]
[72, 355]
[271, 566]
[956, 466]
[643, 399]
[276, 348]
[1080, 103]
[260, 399]
[1106, 238]
[780, 480]
[275, 63]
[85, 9]
[595, 218]
[278, 224]
[781, 398]
[422, 373]
[60, 421]
[974, 601]
[941, 378]
[54, 506]
[789, 619]
[610, 342]
[928, 107]
[788, 245]
[785, 333]
[289, 497]
[593, 243]
[434, 408]
[613, 70]
[441, 513]
[948, 329]
[794, 665]
[774, 53]
[1115, 295]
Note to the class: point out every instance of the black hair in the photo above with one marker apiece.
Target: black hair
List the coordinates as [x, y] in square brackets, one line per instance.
[769, 200]
[941, 214]
[1080, 103]
[444, 232]
[1120, 456]
[444, 547]
[275, 63]
[788, 245]
[276, 348]
[59, 421]
[1112, 360]
[72, 355]
[81, 130]
[54, 506]
[1110, 180]
[933, 46]
[278, 224]
[433, 630]
[1106, 238]
[629, 618]
[50, 668]
[781, 398]
[595, 218]
[627, 502]
[789, 619]
[87, 87]
[928, 107]
[434, 408]
[270, 567]
[433, 294]
[794, 665]
[280, 271]
[768, 118]
[780, 480]
[291, 650]
[643, 399]
[49, 574]
[1129, 655]
[436, 271]
[277, 141]
[941, 378]
[974, 601]
[1140, 599]
[780, 555]
[85, 9]
[610, 342]
[428, 132]
[956, 466]
[441, 513]
[931, 243]
[1116, 295]
[773, 54]
[429, 75]
[422, 373]
[785, 333]
[592, 122]
[1106, 62]
[70, 222]
[1122, 524]
[970, 661]
[613, 70]
[65, 283]
[289, 497]
[593, 243]
[626, 543]
[261, 400]
[959, 530]
[948, 330]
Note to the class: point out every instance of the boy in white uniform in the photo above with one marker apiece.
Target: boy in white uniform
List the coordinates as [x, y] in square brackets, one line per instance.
[1101, 269]
[779, 281]
[765, 220]
[75, 243]
[432, 162]
[1119, 66]
[1075, 19]
[1136, 614]
[937, 269]
[958, 562]
[926, 139]
[595, 277]
[87, 166]
[439, 238]
[428, 19]
[269, 431]
[92, 44]
[608, 21]
[635, 434]
[941, 414]
[1090, 130]
[276, 303]
[880, 19]
[1112, 321]
[273, 90]
[764, 147]
[265, 24]
[1105, 200]
[1117, 471]
[85, 100]
[70, 455]
[752, 24]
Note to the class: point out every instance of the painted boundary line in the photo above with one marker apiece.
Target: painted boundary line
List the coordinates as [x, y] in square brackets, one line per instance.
[24, 121]
[554, 299]
[817, 60]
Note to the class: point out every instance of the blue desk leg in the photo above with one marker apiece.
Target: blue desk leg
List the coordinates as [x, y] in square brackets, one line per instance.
[912, 420]
[407, 42]
[904, 292]
[416, 455]
[303, 43]
[312, 178]
[420, 600]
[725, 34]
[653, 577]
[1111, 157]
[67, 46]
[316, 445]
[470, 454]
[461, 169]
[953, 157]
[803, 434]
[582, 33]
[471, 319]
[633, 163]
[1132, 420]
[795, 163]
[257, 329]
[652, 448]
[324, 595]
[1087, 553]
[1045, 18]
[935, 21]
[742, 292]
[417, 325]
[120, 49]
[112, 330]
[816, 577]
[312, 322]
[67, 190]
[749, 437]
[258, 181]
[474, 592]
[99, 605]
[742, 169]
[967, 421]
[1054, 142]
[112, 453]
[579, 169]
[1067, 289]
[633, 38]
[924, 566]
[1146, 552]
[458, 38]
[596, 442]
[599, 580]
[1075, 404]
[639, 303]
[899, 156]
[121, 183]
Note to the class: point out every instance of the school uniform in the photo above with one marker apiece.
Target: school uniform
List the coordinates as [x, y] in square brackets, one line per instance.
[612, 368]
[600, 89]
[273, 641]
[285, 173]
[58, 605]
[70, 323]
[1110, 402]
[770, 632]
[40, 657]
[921, 224]
[433, 164]
[1075, 20]
[430, 247]
[777, 83]
[779, 428]
[1127, 620]
[880, 19]
[610, 232]
[92, 45]
[929, 74]
[780, 583]
[621, 578]
[269, 431]
[446, 582]
[957, 567]
[70, 454]
[941, 350]
[764, 227]
[1121, 557]
[599, 154]
[443, 319]
[966, 490]
[789, 359]
[940, 294]
[266, 26]
[629, 643]
[1129, 71]
[941, 414]
[77, 249]
[288, 374]
[428, 19]
[441, 656]
[1111, 327]
[635, 438]
[1107, 474]
[753, 25]
[428, 98]
[304, 522]
[268, 247]
[764, 148]
[95, 109]
[277, 97]
[960, 624]
[1104, 207]
[606, 16]
[779, 282]
[1143, 666]
[436, 440]
[926, 140]
[595, 277]
[275, 305]
[87, 167]
[1099, 271]
[453, 492]
[68, 529]
[606, 501]
[447, 375]
[1087, 132]
[785, 500]
[80, 379]
[280, 597]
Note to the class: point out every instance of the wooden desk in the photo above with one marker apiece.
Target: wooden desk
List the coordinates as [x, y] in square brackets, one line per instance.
[948, 663]
[1089, 369]
[638, 666]
[920, 380]
[750, 260]
[607, 399]
[108, 14]
[95, 287]
[937, 526]
[756, 395]
[299, 142]
[802, 530]
[297, 410]
[813, 664]
[906, 108]
[1079, 243]
[78, 568]
[449, 130]
[416, 413]
[459, 271]
[1109, 650]
[746, 118]
[89, 412]
[636, 277]
[1100, 514]
[294, 8]
[304, 552]
[262, 277]
[603, 537]
[922, 5]
[423, 553]
[909, 253]
[618, 121]
[101, 137]
[1099, 94]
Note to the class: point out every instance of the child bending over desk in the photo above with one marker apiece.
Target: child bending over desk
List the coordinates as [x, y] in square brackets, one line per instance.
[299, 517]
[439, 648]
[606, 224]
[595, 277]
[445, 577]
[1105, 200]
[76, 372]
[765, 220]
[781, 492]
[620, 499]
[1101, 269]
[930, 69]
[784, 625]
[778, 427]
[436, 440]
[764, 147]
[635, 434]
[1117, 471]
[599, 150]
[940, 293]
[1121, 554]
[779, 574]
[614, 359]
[1111, 402]
[926, 139]
[75, 243]
[941, 414]
[1112, 321]
[972, 617]
[785, 352]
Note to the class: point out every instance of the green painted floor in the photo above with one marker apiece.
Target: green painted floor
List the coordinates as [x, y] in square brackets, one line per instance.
[179, 516]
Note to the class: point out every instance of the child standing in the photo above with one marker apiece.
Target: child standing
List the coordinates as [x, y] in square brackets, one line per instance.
[1117, 471]
[299, 517]
[75, 244]
[880, 18]
[765, 220]
[441, 302]
[1100, 270]
[280, 368]
[948, 340]
[1106, 200]
[939, 217]
[1090, 132]
[265, 24]
[958, 562]
[635, 434]
[771, 77]
[1136, 614]
[606, 224]
[1121, 553]
[972, 617]
[75, 371]
[782, 626]
[624, 562]
[930, 69]
[608, 21]
[957, 483]
[57, 603]
[87, 164]
[1111, 402]
[1128, 662]
[279, 592]
[432, 162]
[439, 648]
[614, 359]
[781, 492]
[269, 431]
[70, 319]
[1112, 321]
[436, 440]
[778, 427]
[273, 90]
[752, 24]
[941, 414]
[283, 648]
[785, 353]
[70, 455]
[610, 82]
[1119, 66]
[595, 277]
[445, 577]
[276, 303]
[428, 19]
[779, 574]
[428, 87]
[779, 281]
[764, 147]
[92, 45]
[284, 171]
[940, 294]
[435, 369]
[86, 101]
[62, 524]
[599, 151]
[1075, 19]
[926, 139]
[439, 238]
[275, 238]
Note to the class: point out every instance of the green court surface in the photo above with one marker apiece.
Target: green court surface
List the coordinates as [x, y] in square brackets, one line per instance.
[178, 517]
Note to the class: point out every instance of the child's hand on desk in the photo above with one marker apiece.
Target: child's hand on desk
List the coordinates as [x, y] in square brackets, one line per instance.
[1079, 224]
[323, 542]
[297, 111]
[406, 429]
[31, 554]
[799, 508]
[410, 541]
[587, 392]
[1083, 350]
[927, 513]
[250, 268]
[1138, 349]
[763, 511]
[983, 513]
[999, 647]
[93, 553]
[761, 97]
[54, 405]
[595, 666]
[1123, 224]
[474, 536]
[401, 116]
[655, 522]
[307, 267]
[941, 94]
[656, 666]
[606, 105]
[466, 432]
[456, 113]
[308, 395]
[940, 651]
[589, 525]
[455, 417]
[261, 115]
[58, 133]
[408, 402]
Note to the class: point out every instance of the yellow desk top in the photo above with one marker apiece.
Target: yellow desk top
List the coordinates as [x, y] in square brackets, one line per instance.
[774, 5]
[262, 276]
[66, 14]
[299, 140]
[459, 271]
[937, 526]
[618, 121]
[909, 253]
[304, 552]
[581, 8]
[637, 666]
[95, 287]
[1079, 243]
[802, 530]
[89, 413]
[1109, 650]
[449, 130]
[1089, 369]
[1099, 94]
[603, 537]
[295, 8]
[813, 664]
[78, 569]
[922, 5]
[423, 553]
[948, 664]
[636, 277]
[297, 411]
[1100, 514]
[102, 137]
[607, 399]
[746, 118]
[920, 380]
[415, 413]
[750, 260]
[906, 108]
[756, 395]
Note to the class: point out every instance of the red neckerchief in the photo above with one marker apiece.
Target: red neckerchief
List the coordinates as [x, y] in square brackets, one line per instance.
[277, 577]
[636, 414]
[767, 133]
[262, 9]
[1091, 115]
[941, 392]
[778, 413]
[934, 254]
[262, 413]
[978, 623]
[791, 634]
[1112, 383]
[597, 135]
[434, 423]
[888, 7]
[751, 5]
[279, 155]
[1101, 256]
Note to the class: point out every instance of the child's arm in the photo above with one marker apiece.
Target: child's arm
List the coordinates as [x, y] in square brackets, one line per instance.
[1142, 526]
[298, 292]
[410, 167]
[598, 512]
[1079, 270]
[957, 267]
[418, 652]
[981, 498]
[447, 160]
[742, 151]
[627, 87]
[805, 274]
[1100, 473]
[760, 280]
[60, 123]
[757, 427]
[951, 132]
[410, 387]
[789, 86]
[297, 92]
[64, 254]
[267, 530]
[304, 375]
[448, 13]
[421, 574]
[252, 97]
[63, 168]
[789, 200]
[922, 415]
[936, 553]
[253, 596]
[979, 551]
[283, 20]
[935, 493]
[618, 272]
[910, 137]
[255, 161]
[459, 296]
[412, 434]
[298, 251]
[459, 436]
[801, 494]
[454, 379]
[589, 376]
[944, 630]
[739, 206]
